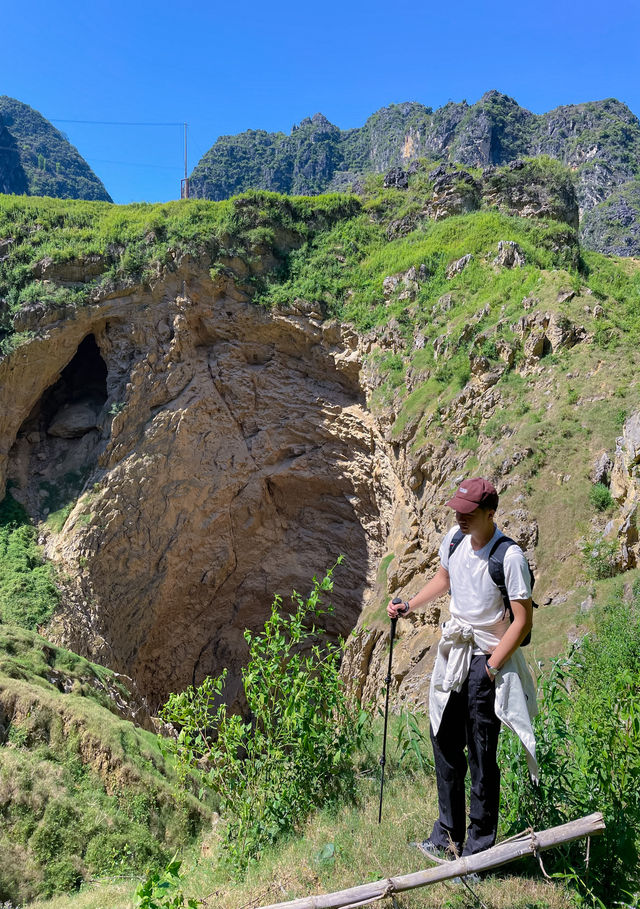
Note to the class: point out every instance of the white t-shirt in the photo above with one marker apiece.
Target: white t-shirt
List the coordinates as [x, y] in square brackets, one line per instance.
[475, 598]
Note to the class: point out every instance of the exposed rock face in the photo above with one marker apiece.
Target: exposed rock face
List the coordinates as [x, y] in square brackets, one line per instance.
[454, 268]
[524, 189]
[455, 192]
[612, 227]
[509, 255]
[226, 454]
[625, 488]
[593, 139]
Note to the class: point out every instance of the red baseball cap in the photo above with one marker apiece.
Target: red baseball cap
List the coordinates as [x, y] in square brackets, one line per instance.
[473, 493]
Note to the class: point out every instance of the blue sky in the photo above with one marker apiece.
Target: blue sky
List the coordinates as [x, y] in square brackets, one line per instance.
[228, 67]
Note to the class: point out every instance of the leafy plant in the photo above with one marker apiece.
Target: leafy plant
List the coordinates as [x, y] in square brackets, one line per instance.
[295, 750]
[412, 750]
[600, 557]
[28, 595]
[600, 497]
[156, 891]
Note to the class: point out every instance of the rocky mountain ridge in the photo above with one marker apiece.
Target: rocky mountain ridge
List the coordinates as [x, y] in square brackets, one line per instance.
[599, 141]
[38, 160]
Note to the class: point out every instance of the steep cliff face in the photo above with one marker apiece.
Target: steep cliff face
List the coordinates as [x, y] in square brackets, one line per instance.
[12, 176]
[613, 227]
[225, 454]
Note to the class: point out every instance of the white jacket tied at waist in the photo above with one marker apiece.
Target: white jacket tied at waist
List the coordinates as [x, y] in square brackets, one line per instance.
[515, 703]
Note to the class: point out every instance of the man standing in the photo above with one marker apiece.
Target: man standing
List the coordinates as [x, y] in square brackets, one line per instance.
[480, 677]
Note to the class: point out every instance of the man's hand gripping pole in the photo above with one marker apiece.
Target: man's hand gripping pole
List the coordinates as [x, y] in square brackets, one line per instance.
[383, 759]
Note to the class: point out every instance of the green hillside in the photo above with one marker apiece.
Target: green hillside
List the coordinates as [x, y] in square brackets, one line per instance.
[37, 159]
[83, 791]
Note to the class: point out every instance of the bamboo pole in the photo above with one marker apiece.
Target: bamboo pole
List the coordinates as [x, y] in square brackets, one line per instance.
[526, 843]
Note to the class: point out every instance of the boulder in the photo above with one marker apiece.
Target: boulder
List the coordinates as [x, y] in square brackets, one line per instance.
[73, 421]
[400, 227]
[455, 268]
[509, 255]
[396, 178]
[406, 283]
[601, 470]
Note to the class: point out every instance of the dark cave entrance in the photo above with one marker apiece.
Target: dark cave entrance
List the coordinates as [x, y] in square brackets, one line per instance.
[57, 446]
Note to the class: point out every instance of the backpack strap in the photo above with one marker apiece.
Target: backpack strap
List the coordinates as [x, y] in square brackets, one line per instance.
[496, 568]
[496, 573]
[456, 539]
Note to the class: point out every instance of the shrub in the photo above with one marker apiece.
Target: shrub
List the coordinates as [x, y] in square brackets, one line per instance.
[600, 558]
[600, 497]
[295, 752]
[159, 890]
[588, 744]
[28, 595]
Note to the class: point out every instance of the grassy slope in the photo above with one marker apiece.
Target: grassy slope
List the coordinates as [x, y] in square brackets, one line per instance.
[341, 850]
[81, 790]
[136, 242]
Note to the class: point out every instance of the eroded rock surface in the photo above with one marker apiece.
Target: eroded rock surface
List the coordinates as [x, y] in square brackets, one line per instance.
[231, 457]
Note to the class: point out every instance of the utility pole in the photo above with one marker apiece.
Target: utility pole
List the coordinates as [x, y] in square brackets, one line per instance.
[184, 183]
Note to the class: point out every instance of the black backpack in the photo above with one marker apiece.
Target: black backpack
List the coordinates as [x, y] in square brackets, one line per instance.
[496, 570]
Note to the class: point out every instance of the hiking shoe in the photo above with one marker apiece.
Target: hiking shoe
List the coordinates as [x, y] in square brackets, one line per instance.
[432, 851]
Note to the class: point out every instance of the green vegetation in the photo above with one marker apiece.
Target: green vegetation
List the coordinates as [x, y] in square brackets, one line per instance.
[588, 743]
[600, 497]
[302, 163]
[135, 243]
[600, 557]
[297, 750]
[46, 162]
[28, 595]
[83, 793]
[345, 267]
[159, 890]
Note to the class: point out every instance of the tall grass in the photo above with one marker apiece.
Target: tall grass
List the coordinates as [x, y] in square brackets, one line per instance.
[588, 741]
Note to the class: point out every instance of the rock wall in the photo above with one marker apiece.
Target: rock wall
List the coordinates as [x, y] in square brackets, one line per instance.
[222, 454]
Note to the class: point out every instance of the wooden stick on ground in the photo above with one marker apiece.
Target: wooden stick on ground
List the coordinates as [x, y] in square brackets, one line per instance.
[527, 843]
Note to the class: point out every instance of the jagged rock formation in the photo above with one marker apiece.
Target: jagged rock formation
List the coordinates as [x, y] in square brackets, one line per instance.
[613, 227]
[625, 488]
[598, 140]
[36, 159]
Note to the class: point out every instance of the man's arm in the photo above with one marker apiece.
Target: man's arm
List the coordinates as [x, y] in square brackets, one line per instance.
[436, 587]
[514, 635]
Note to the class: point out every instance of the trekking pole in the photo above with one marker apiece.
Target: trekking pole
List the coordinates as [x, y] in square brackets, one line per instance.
[383, 759]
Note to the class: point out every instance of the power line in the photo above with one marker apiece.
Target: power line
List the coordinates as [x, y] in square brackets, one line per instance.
[112, 122]
[184, 190]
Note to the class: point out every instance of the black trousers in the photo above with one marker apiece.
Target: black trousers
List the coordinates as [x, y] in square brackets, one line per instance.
[469, 721]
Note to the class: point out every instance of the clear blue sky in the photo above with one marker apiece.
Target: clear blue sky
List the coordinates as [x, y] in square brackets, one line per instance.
[228, 67]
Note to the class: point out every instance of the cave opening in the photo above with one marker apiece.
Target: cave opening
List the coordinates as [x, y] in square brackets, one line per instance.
[57, 446]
